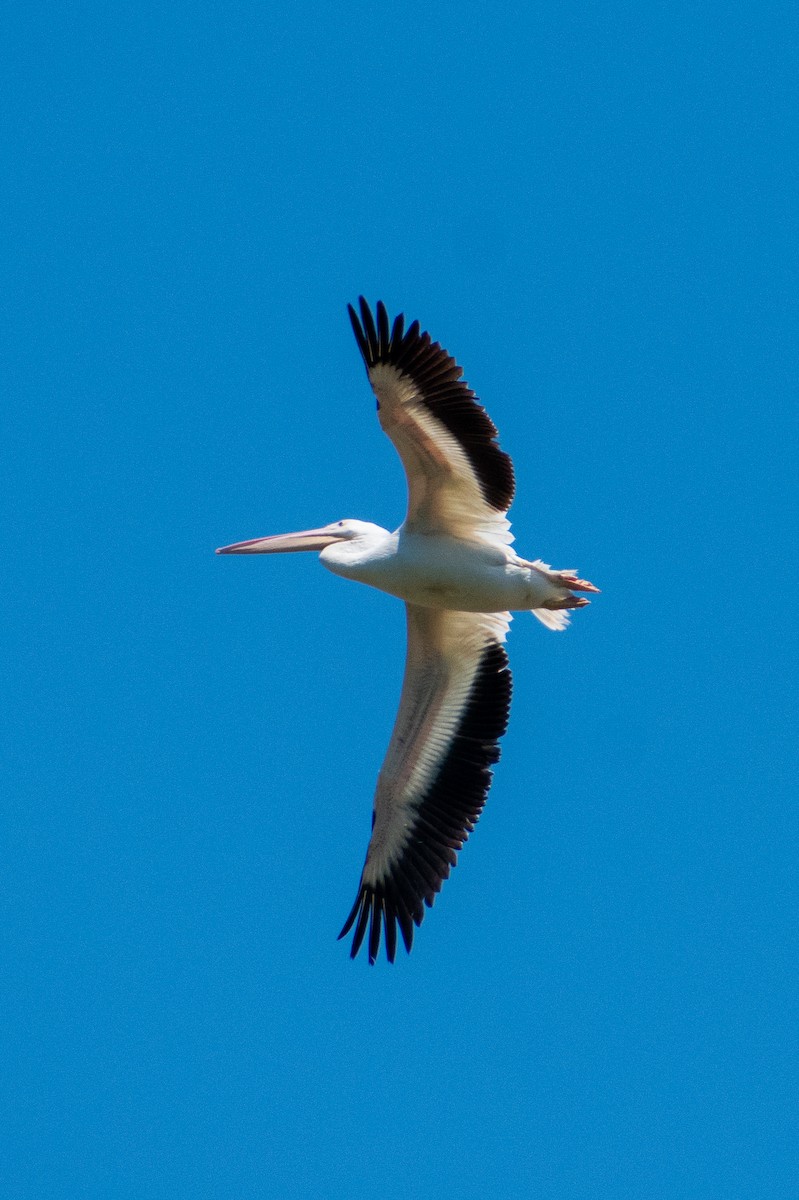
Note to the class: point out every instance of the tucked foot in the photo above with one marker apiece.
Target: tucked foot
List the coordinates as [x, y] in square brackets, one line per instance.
[568, 601]
[568, 579]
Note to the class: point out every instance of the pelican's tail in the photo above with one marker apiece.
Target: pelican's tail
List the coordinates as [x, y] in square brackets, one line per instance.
[564, 584]
[553, 620]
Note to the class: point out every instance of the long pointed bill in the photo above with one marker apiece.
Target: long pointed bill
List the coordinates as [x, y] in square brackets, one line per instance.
[286, 543]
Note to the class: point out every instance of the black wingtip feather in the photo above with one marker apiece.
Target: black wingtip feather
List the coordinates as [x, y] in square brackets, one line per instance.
[369, 327]
[396, 332]
[374, 928]
[358, 331]
[360, 928]
[405, 922]
[383, 338]
[350, 919]
[390, 920]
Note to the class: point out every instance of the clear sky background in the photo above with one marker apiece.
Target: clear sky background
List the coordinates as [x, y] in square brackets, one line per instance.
[594, 207]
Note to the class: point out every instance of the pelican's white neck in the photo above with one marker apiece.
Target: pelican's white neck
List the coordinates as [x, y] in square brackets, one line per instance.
[361, 543]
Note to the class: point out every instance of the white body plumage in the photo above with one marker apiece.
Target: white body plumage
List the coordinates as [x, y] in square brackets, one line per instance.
[437, 571]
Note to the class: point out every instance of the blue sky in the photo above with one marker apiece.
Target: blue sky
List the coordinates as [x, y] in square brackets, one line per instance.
[594, 208]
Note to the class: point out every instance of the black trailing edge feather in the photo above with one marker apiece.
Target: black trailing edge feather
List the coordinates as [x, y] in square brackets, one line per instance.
[445, 816]
[442, 390]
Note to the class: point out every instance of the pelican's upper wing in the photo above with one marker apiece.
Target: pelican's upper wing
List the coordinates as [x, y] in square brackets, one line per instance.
[437, 772]
[459, 481]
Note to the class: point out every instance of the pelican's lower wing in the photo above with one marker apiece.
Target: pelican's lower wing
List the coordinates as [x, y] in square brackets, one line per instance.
[435, 779]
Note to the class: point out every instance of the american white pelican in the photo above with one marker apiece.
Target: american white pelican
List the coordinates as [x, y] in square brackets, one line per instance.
[452, 563]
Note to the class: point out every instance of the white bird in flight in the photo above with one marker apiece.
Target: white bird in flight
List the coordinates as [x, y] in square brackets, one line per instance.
[451, 562]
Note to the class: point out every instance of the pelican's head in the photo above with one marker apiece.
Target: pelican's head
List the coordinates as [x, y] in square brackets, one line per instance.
[307, 539]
